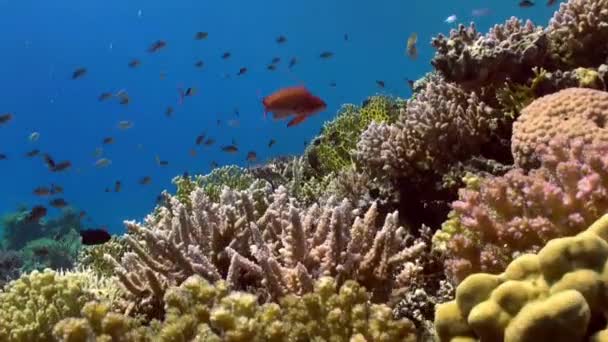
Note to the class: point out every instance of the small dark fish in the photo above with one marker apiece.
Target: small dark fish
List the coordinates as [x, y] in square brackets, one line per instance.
[157, 46]
[190, 92]
[117, 186]
[62, 166]
[201, 35]
[551, 2]
[271, 67]
[281, 39]
[526, 3]
[56, 189]
[3, 156]
[123, 98]
[108, 140]
[58, 203]
[32, 153]
[242, 71]
[219, 122]
[199, 64]
[41, 251]
[332, 84]
[236, 112]
[163, 163]
[346, 37]
[94, 236]
[134, 63]
[36, 213]
[214, 164]
[42, 191]
[230, 148]
[107, 190]
[209, 142]
[326, 54]
[169, 111]
[251, 156]
[200, 138]
[145, 180]
[78, 73]
[49, 161]
[271, 143]
[410, 83]
[292, 62]
[380, 83]
[275, 60]
[226, 55]
[4, 118]
[104, 96]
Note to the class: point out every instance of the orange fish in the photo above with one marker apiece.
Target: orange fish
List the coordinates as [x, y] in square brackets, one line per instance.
[293, 101]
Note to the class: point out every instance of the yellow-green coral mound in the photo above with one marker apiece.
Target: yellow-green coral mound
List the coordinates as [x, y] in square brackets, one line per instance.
[199, 311]
[31, 305]
[550, 296]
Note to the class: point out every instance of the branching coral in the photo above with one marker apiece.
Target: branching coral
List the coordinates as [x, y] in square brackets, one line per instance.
[508, 51]
[499, 217]
[92, 257]
[575, 113]
[578, 33]
[31, 305]
[198, 311]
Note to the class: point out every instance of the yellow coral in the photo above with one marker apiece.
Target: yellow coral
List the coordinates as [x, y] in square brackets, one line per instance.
[551, 296]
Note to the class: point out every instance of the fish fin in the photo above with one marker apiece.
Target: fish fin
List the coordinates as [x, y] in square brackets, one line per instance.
[297, 120]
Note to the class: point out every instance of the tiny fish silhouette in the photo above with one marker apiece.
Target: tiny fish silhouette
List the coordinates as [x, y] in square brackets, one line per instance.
[94, 236]
[78, 73]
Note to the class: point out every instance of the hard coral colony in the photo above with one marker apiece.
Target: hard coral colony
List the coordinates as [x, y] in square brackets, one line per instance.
[473, 211]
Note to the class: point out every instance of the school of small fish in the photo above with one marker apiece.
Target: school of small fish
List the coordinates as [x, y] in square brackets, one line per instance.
[296, 103]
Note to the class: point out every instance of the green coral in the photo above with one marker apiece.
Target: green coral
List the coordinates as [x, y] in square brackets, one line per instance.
[550, 296]
[332, 149]
[92, 256]
[232, 176]
[31, 305]
[198, 311]
[185, 185]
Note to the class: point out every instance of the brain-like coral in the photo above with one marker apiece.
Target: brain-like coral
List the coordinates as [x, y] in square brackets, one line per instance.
[575, 113]
[498, 217]
[578, 33]
[508, 50]
[552, 296]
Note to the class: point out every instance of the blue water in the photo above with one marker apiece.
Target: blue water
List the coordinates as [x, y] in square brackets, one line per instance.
[43, 42]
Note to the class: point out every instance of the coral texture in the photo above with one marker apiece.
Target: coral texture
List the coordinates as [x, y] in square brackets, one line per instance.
[496, 217]
[10, 266]
[578, 33]
[509, 51]
[199, 311]
[575, 113]
[556, 295]
[92, 257]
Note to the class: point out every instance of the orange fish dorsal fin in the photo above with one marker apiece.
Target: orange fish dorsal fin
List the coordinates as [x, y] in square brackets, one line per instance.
[297, 120]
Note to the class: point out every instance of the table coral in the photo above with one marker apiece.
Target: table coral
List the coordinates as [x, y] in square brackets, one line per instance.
[575, 113]
[498, 217]
[555, 295]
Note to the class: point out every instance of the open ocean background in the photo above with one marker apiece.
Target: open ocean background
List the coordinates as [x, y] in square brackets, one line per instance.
[43, 42]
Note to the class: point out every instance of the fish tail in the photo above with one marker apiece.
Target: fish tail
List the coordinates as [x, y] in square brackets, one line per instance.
[297, 120]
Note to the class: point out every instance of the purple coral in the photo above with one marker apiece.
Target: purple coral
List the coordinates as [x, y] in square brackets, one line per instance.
[519, 212]
[509, 51]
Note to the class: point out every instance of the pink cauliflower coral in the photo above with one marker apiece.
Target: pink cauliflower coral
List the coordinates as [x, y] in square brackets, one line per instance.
[519, 212]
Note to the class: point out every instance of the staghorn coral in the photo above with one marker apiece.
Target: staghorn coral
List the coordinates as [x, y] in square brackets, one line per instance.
[199, 311]
[497, 218]
[507, 51]
[555, 295]
[32, 304]
[575, 113]
[578, 33]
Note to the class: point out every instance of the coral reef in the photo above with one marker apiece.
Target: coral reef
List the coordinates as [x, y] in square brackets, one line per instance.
[51, 253]
[508, 51]
[555, 295]
[92, 257]
[575, 113]
[31, 305]
[496, 217]
[199, 311]
[10, 266]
